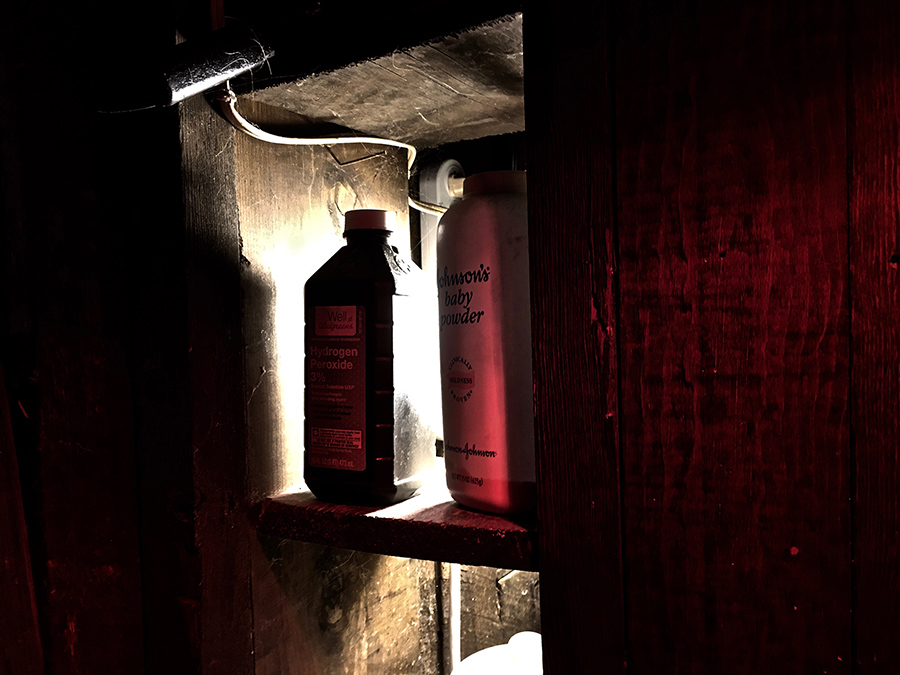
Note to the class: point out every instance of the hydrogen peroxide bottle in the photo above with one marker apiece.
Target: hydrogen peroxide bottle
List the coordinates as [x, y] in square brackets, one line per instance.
[367, 435]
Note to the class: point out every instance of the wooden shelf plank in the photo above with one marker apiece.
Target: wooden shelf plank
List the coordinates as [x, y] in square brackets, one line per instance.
[465, 86]
[429, 526]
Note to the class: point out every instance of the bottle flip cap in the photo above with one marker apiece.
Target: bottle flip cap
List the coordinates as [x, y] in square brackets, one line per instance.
[370, 219]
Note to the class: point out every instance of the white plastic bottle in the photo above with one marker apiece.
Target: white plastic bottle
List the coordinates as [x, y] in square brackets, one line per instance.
[485, 345]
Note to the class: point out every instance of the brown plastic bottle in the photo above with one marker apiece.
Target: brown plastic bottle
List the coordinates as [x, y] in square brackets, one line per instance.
[365, 437]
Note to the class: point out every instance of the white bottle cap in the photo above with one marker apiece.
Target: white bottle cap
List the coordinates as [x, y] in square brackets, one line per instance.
[370, 219]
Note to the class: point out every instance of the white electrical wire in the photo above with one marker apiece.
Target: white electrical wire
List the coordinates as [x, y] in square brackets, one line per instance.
[228, 100]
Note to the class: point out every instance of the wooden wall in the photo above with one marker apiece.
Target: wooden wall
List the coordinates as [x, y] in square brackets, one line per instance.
[725, 174]
[734, 337]
[85, 215]
[874, 247]
[571, 160]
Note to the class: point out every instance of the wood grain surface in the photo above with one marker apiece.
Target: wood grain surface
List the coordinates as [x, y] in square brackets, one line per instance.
[875, 273]
[430, 527]
[734, 336]
[222, 527]
[63, 347]
[336, 611]
[495, 604]
[464, 86]
[568, 101]
[19, 623]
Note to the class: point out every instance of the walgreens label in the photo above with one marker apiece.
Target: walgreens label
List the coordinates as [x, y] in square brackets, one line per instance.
[336, 321]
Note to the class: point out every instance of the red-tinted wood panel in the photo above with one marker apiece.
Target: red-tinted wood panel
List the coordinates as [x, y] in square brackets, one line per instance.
[430, 526]
[875, 266]
[19, 628]
[570, 161]
[64, 356]
[734, 336]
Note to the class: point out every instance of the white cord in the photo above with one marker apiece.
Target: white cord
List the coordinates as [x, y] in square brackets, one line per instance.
[229, 107]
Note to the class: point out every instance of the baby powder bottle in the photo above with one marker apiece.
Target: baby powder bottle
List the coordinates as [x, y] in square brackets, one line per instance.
[485, 345]
[367, 440]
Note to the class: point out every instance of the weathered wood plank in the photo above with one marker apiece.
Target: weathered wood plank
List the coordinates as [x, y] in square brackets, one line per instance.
[734, 336]
[571, 225]
[875, 273]
[429, 526]
[152, 283]
[333, 611]
[64, 354]
[19, 625]
[495, 604]
[464, 86]
[222, 527]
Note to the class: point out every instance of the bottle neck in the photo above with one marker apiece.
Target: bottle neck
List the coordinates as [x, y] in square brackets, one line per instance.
[495, 182]
[364, 236]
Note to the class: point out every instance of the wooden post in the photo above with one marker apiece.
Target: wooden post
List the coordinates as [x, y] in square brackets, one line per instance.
[875, 299]
[573, 289]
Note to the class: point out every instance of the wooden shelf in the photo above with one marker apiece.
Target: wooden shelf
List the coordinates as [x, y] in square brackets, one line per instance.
[429, 526]
[465, 86]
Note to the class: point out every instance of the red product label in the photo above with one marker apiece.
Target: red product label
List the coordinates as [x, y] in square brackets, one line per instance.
[336, 388]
